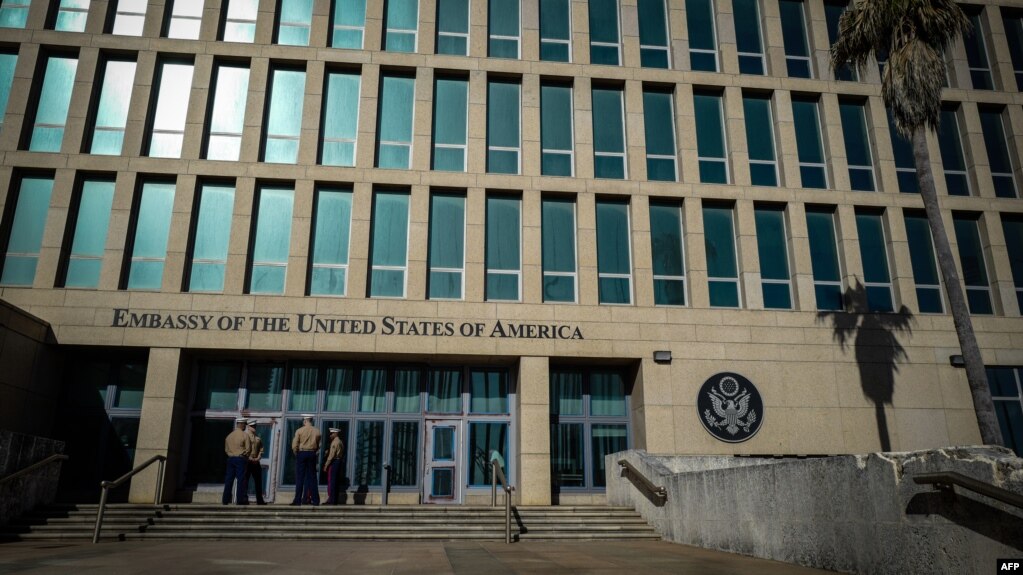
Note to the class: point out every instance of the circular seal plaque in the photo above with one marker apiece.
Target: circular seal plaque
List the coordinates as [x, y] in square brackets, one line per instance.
[730, 407]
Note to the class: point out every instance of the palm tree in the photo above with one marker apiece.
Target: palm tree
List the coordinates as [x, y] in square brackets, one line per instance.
[915, 34]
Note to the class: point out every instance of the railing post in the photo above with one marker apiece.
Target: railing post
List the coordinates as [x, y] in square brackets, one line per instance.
[493, 483]
[159, 483]
[99, 514]
[386, 482]
[507, 515]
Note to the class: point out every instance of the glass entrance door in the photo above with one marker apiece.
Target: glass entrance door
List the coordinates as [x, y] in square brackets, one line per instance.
[442, 478]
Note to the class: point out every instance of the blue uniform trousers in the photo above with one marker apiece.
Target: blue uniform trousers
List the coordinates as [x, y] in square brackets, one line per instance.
[333, 475]
[305, 478]
[235, 471]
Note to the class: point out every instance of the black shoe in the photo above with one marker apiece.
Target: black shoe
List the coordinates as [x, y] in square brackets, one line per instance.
[245, 503]
[294, 504]
[261, 503]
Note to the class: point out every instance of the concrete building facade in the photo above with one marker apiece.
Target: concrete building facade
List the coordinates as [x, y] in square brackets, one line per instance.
[491, 305]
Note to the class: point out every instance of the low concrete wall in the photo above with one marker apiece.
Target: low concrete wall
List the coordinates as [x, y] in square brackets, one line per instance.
[29, 372]
[18, 451]
[857, 513]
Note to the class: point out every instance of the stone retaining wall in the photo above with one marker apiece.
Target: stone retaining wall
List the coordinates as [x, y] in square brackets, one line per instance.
[18, 451]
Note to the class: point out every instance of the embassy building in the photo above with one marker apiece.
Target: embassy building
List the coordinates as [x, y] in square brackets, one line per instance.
[550, 229]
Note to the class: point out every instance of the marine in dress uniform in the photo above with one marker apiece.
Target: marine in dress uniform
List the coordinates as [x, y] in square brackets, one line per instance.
[333, 464]
[252, 467]
[305, 446]
[237, 446]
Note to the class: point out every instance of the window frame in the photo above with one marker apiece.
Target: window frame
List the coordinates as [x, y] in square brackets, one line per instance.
[567, 42]
[491, 36]
[462, 35]
[831, 212]
[464, 147]
[10, 213]
[154, 107]
[171, 17]
[327, 104]
[917, 286]
[380, 113]
[722, 160]
[335, 27]
[666, 49]
[254, 229]
[736, 281]
[624, 154]
[822, 149]
[955, 109]
[487, 269]
[388, 30]
[806, 38]
[89, 141]
[862, 115]
[431, 268]
[769, 97]
[974, 221]
[337, 188]
[518, 110]
[122, 18]
[133, 227]
[679, 207]
[760, 39]
[571, 127]
[886, 247]
[716, 52]
[575, 248]
[208, 131]
[408, 227]
[616, 45]
[1007, 144]
[781, 209]
[670, 92]
[194, 231]
[628, 250]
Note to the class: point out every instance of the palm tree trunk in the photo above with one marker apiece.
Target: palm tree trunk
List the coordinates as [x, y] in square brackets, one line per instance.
[990, 433]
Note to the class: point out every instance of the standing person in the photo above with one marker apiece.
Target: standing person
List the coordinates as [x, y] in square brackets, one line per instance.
[252, 467]
[305, 446]
[237, 446]
[333, 464]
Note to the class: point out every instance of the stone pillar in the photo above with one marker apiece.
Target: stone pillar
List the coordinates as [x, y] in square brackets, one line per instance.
[534, 440]
[653, 421]
[162, 425]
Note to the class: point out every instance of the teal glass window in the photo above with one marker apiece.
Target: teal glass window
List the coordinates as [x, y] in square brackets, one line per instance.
[504, 248]
[185, 19]
[971, 256]
[295, 18]
[453, 27]
[503, 27]
[332, 224]
[129, 17]
[227, 115]
[722, 258]
[503, 126]
[212, 235]
[857, 145]
[340, 119]
[605, 36]
[450, 123]
[874, 254]
[445, 391]
[394, 121]
[407, 397]
[8, 62]
[557, 140]
[589, 420]
[951, 146]
[264, 384]
[91, 209]
[71, 15]
[401, 21]
[773, 250]
[284, 116]
[976, 50]
[614, 259]
[827, 277]
[302, 389]
[654, 47]
[389, 251]
[218, 386]
[659, 124]
[711, 145]
[833, 11]
[488, 391]
[155, 204]
[405, 453]
[372, 390]
[609, 133]
[240, 21]
[763, 163]
[1006, 385]
[338, 396]
[348, 24]
[1013, 23]
[703, 42]
[558, 249]
[52, 104]
[369, 452]
[993, 124]
[485, 440]
[793, 32]
[112, 108]
[167, 124]
[1012, 227]
[813, 170]
[748, 37]
[271, 240]
[32, 202]
[555, 30]
[925, 266]
[14, 13]
[667, 253]
[905, 163]
[447, 247]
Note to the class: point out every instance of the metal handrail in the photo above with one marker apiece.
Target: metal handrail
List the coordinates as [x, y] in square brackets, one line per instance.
[34, 466]
[498, 474]
[387, 484]
[946, 479]
[660, 493]
[106, 486]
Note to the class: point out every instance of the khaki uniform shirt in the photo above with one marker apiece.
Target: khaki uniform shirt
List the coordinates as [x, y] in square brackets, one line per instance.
[336, 446]
[307, 438]
[237, 444]
[257, 447]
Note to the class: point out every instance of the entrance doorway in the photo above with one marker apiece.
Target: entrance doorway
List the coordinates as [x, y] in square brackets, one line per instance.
[442, 479]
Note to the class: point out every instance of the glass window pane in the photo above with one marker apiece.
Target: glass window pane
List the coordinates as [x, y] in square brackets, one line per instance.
[613, 255]
[489, 393]
[447, 243]
[952, 159]
[503, 246]
[666, 239]
[90, 235]
[52, 104]
[349, 23]
[503, 24]
[450, 123]
[873, 248]
[484, 440]
[793, 30]
[340, 119]
[556, 129]
[186, 16]
[503, 127]
[566, 393]
[296, 17]
[555, 30]
[567, 447]
[240, 24]
[719, 241]
[369, 453]
[603, 15]
[702, 35]
[218, 386]
[608, 124]
[339, 389]
[806, 117]
[8, 62]
[330, 240]
[405, 454]
[1012, 227]
[112, 108]
[302, 386]
[772, 246]
[710, 137]
[284, 118]
[406, 391]
[167, 128]
[971, 256]
[152, 229]
[925, 271]
[760, 140]
[212, 235]
[823, 247]
[390, 240]
[272, 240]
[372, 390]
[746, 15]
[607, 393]
[265, 384]
[130, 383]
[445, 393]
[394, 122]
[607, 439]
[558, 230]
[857, 145]
[992, 124]
[401, 18]
[206, 450]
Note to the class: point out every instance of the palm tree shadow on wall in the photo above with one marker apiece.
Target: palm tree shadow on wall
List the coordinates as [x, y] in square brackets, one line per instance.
[874, 339]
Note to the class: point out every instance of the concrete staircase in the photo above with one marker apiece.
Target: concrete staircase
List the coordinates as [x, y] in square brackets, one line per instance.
[352, 522]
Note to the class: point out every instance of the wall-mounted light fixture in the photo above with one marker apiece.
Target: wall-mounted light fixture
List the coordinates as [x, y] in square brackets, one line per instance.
[663, 356]
[956, 361]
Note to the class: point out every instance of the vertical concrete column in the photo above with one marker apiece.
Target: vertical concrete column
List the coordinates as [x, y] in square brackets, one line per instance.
[476, 160]
[835, 142]
[418, 242]
[735, 134]
[358, 246]
[652, 403]
[479, 39]
[1002, 70]
[887, 177]
[901, 265]
[1002, 282]
[196, 115]
[373, 35]
[319, 32]
[642, 259]
[368, 95]
[583, 119]
[696, 254]
[586, 248]
[534, 439]
[788, 153]
[820, 43]
[678, 34]
[210, 25]
[252, 129]
[53, 232]
[154, 18]
[530, 125]
[978, 169]
[629, 26]
[177, 242]
[422, 123]
[475, 244]
[309, 143]
[774, 43]
[802, 267]
[532, 261]
[1014, 140]
[685, 134]
[162, 425]
[238, 245]
[635, 131]
[427, 33]
[117, 231]
[138, 107]
[301, 227]
[78, 108]
[748, 255]
[960, 67]
[580, 33]
[529, 33]
[266, 18]
[848, 238]
[728, 57]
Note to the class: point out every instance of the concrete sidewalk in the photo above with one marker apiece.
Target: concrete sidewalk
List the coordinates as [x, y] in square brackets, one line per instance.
[346, 557]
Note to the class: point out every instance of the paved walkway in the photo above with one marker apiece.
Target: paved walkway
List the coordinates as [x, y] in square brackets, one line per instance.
[346, 557]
